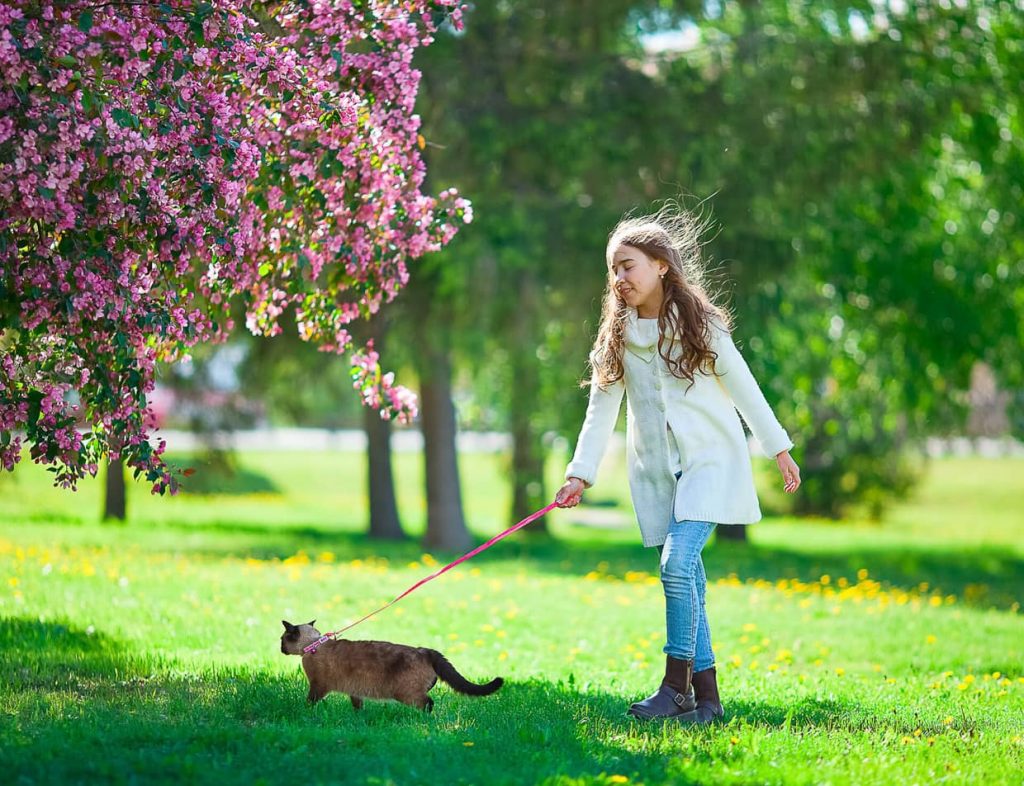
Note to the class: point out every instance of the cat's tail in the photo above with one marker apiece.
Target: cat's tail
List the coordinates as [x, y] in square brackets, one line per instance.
[446, 671]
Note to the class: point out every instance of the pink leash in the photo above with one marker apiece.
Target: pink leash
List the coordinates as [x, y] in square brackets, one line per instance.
[529, 519]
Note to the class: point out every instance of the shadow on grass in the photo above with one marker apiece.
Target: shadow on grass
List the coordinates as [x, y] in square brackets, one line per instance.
[224, 474]
[94, 711]
[91, 711]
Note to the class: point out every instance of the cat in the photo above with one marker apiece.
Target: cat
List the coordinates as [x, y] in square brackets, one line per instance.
[375, 669]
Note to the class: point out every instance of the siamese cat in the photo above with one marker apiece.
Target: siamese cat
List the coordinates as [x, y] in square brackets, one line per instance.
[375, 669]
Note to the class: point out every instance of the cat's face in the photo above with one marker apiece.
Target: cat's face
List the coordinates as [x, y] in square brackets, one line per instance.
[295, 637]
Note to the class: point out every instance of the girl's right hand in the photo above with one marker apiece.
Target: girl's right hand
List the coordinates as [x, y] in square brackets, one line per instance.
[569, 495]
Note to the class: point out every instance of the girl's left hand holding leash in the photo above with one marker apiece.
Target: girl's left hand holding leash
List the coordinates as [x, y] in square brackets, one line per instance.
[790, 471]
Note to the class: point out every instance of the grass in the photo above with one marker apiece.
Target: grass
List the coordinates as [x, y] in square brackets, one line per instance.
[853, 652]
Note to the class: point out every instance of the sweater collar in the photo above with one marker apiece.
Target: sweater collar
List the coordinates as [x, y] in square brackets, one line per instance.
[641, 336]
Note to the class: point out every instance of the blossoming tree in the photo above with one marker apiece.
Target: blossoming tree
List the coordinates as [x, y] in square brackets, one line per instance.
[162, 161]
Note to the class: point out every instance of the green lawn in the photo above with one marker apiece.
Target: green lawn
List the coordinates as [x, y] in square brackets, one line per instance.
[853, 652]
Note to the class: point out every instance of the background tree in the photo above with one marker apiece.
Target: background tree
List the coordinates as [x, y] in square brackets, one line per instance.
[863, 168]
[541, 123]
[860, 160]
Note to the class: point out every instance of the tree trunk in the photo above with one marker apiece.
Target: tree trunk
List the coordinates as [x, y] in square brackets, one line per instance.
[527, 444]
[384, 521]
[115, 502]
[527, 472]
[734, 532]
[446, 527]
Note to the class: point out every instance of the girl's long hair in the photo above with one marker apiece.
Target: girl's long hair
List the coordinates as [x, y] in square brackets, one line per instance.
[672, 235]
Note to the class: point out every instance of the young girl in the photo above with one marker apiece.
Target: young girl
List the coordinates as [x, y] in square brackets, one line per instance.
[667, 346]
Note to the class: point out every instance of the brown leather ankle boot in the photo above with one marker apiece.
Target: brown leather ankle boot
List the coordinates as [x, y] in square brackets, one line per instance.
[709, 706]
[674, 696]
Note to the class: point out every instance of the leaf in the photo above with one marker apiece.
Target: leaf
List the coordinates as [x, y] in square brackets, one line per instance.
[85, 21]
[124, 118]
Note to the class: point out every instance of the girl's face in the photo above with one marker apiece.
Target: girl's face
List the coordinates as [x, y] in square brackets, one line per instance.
[637, 280]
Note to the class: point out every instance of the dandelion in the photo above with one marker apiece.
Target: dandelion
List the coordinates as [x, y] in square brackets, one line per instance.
[468, 744]
[618, 779]
[840, 671]
[734, 740]
[930, 639]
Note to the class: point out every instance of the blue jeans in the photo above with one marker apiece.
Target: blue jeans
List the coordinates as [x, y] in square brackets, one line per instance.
[684, 581]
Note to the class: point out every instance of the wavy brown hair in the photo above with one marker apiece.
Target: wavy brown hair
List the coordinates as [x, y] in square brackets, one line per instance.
[673, 235]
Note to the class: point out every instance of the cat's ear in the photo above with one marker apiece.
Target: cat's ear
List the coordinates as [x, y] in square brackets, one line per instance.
[312, 623]
[287, 625]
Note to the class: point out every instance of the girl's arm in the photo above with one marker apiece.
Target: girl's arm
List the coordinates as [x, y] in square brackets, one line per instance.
[602, 412]
[741, 386]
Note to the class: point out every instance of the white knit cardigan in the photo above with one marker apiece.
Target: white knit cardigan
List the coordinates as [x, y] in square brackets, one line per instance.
[672, 426]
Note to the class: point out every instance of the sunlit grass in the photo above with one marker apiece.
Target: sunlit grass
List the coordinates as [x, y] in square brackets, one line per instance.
[848, 653]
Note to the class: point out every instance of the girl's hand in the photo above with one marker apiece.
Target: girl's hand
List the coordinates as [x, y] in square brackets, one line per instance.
[790, 471]
[569, 495]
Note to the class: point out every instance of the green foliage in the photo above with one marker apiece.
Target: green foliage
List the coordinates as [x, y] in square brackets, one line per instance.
[864, 170]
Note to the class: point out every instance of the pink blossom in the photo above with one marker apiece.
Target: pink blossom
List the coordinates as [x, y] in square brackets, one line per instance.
[137, 204]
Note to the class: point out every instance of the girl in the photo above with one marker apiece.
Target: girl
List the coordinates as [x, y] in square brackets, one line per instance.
[667, 346]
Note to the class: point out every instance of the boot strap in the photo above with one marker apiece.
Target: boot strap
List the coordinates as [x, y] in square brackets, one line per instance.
[679, 699]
